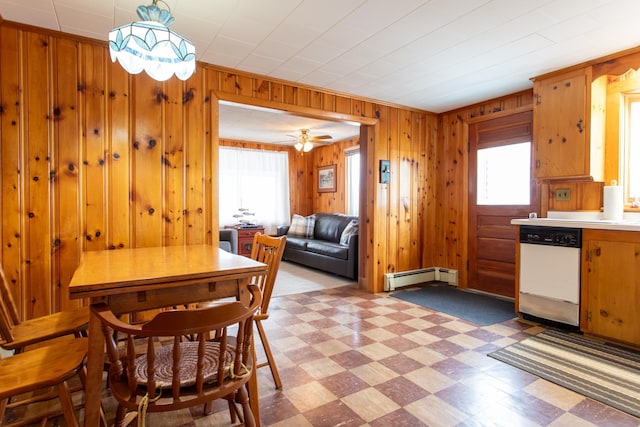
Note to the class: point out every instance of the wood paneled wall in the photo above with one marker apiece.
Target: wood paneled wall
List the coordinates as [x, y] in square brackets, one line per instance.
[333, 154]
[94, 158]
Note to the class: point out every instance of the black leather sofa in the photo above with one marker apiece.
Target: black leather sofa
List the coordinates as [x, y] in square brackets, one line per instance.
[324, 251]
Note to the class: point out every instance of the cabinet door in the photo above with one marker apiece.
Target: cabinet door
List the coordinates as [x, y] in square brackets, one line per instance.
[612, 288]
[560, 120]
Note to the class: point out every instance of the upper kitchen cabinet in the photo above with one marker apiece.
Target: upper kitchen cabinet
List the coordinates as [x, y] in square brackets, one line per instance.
[568, 126]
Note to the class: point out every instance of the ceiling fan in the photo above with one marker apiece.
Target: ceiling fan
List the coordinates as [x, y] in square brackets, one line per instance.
[305, 141]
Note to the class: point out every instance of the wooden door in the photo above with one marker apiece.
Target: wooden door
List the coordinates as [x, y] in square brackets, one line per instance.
[492, 238]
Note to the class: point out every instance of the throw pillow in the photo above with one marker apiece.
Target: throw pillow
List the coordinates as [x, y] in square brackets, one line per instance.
[302, 226]
[349, 230]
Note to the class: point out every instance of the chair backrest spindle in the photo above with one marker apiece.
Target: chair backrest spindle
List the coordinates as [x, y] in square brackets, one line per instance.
[268, 250]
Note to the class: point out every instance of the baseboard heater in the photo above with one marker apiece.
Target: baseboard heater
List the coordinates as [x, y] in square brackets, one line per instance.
[400, 279]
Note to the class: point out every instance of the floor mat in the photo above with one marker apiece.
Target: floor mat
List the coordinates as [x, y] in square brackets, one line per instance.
[477, 308]
[603, 372]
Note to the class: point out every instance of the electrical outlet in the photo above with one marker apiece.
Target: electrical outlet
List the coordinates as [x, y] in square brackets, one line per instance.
[563, 194]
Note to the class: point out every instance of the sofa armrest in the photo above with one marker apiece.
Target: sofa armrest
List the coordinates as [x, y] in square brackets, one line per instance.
[230, 238]
[353, 245]
[282, 230]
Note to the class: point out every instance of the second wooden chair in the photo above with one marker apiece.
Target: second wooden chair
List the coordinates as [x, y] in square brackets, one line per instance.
[15, 334]
[48, 366]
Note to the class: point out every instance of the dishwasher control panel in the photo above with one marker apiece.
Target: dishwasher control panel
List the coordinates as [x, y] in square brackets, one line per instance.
[552, 236]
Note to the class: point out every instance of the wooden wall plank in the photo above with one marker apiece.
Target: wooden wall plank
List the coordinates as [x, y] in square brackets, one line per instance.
[244, 86]
[419, 132]
[173, 161]
[119, 158]
[315, 100]
[407, 202]
[262, 89]
[92, 88]
[198, 157]
[394, 213]
[11, 161]
[289, 94]
[147, 179]
[379, 234]
[228, 82]
[37, 88]
[67, 242]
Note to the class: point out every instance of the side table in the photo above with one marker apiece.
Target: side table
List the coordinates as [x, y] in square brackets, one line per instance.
[245, 237]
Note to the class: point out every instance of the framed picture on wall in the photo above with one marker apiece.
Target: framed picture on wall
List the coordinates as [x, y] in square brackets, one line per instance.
[327, 179]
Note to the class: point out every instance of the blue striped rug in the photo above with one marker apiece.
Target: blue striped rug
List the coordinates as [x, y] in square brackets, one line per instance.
[603, 372]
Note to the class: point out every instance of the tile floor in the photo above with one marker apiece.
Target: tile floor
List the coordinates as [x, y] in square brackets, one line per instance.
[349, 358]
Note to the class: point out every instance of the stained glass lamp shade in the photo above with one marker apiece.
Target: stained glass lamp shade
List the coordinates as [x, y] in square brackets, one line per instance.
[151, 46]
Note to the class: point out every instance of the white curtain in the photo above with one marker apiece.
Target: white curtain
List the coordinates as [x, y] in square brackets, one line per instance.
[353, 181]
[255, 180]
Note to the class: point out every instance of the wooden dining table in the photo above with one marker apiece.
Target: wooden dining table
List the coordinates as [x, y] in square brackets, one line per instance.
[133, 280]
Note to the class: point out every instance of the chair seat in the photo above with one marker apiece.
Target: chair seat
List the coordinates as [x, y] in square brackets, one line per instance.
[42, 367]
[163, 374]
[47, 327]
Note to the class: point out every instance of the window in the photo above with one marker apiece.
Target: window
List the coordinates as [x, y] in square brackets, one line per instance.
[353, 181]
[630, 148]
[257, 180]
[504, 175]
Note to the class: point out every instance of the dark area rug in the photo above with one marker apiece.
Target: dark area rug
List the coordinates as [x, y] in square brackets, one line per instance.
[480, 309]
[603, 372]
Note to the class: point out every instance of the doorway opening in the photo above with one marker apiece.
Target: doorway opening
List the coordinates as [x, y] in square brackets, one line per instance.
[364, 132]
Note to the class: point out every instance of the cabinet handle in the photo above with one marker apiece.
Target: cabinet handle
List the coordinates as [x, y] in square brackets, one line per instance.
[604, 313]
[579, 125]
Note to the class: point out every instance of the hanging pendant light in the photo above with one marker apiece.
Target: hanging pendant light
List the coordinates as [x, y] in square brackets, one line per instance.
[151, 46]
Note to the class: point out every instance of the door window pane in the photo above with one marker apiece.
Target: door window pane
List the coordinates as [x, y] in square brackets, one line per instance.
[504, 175]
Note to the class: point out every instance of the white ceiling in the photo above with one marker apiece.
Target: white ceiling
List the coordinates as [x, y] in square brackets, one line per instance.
[434, 55]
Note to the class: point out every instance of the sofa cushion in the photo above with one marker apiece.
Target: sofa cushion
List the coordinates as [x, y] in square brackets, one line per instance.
[298, 243]
[349, 230]
[334, 250]
[302, 226]
[329, 227]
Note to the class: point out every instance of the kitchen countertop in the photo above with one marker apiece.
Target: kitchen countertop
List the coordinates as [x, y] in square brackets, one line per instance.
[583, 219]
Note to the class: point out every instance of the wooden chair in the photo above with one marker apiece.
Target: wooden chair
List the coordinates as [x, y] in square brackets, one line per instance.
[173, 373]
[268, 250]
[47, 366]
[15, 334]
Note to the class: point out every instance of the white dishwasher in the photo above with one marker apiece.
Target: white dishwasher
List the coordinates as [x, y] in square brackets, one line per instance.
[550, 273]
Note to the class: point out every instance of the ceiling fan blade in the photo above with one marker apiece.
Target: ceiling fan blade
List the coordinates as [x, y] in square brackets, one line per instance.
[320, 137]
